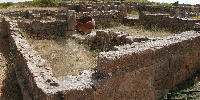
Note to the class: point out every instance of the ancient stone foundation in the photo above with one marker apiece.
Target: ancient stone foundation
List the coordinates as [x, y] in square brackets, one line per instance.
[146, 70]
[128, 68]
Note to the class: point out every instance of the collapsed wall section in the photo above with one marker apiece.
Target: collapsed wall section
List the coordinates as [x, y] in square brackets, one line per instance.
[174, 58]
[105, 40]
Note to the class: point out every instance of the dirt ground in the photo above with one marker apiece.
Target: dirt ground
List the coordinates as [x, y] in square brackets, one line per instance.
[64, 55]
[139, 30]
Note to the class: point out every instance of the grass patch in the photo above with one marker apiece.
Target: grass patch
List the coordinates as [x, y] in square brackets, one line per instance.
[138, 1]
[139, 30]
[196, 17]
[160, 4]
[188, 90]
[151, 3]
[65, 56]
[41, 3]
[134, 14]
[34, 3]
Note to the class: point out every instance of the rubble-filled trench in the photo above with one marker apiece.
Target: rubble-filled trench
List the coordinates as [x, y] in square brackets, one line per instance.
[127, 67]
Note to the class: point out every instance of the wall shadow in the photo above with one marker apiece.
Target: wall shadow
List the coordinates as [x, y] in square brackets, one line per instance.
[10, 88]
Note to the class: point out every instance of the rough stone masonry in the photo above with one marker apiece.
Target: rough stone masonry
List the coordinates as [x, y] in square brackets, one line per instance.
[134, 70]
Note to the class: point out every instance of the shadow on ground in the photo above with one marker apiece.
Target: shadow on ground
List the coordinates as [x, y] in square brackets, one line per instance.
[9, 88]
[188, 90]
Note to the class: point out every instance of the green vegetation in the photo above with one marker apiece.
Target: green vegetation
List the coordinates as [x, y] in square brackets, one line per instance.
[196, 17]
[161, 4]
[50, 3]
[134, 12]
[140, 1]
[151, 3]
[6, 5]
[45, 2]
[42, 3]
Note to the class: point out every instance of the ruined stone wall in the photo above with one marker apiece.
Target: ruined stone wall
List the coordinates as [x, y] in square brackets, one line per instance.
[182, 10]
[98, 6]
[104, 18]
[36, 81]
[174, 58]
[38, 14]
[106, 40]
[32, 71]
[134, 85]
[44, 28]
[167, 22]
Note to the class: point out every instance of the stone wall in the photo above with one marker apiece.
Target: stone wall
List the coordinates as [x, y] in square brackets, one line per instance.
[106, 40]
[38, 14]
[44, 28]
[31, 69]
[36, 81]
[104, 18]
[98, 6]
[166, 22]
[133, 70]
[183, 10]
[174, 58]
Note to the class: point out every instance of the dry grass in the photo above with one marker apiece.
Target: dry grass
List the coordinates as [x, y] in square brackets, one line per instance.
[65, 56]
[138, 30]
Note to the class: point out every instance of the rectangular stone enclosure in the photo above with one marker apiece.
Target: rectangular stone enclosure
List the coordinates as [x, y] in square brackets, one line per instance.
[128, 67]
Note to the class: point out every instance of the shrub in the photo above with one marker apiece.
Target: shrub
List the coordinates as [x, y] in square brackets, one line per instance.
[6, 5]
[45, 2]
[138, 1]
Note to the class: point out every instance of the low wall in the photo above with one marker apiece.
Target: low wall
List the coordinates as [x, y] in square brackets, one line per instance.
[36, 81]
[167, 22]
[133, 71]
[104, 18]
[31, 68]
[43, 28]
[174, 58]
[38, 14]
[181, 10]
